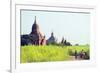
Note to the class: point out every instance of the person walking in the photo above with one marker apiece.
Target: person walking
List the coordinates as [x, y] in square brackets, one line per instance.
[76, 54]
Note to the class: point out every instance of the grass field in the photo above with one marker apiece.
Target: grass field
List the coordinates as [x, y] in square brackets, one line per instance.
[33, 53]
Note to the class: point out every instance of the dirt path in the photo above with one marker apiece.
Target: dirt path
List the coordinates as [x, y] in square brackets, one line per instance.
[73, 58]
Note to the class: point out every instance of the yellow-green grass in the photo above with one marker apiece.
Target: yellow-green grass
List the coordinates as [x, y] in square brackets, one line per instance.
[31, 53]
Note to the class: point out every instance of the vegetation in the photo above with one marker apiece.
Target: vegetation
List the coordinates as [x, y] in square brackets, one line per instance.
[32, 53]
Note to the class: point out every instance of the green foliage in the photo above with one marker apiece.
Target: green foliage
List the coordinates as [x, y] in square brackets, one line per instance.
[47, 53]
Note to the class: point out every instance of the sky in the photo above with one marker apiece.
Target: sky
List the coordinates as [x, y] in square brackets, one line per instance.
[74, 27]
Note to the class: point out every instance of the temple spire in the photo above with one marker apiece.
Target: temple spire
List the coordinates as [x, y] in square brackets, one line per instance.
[52, 34]
[35, 20]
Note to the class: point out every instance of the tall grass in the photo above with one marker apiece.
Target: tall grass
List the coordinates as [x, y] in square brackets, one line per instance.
[33, 53]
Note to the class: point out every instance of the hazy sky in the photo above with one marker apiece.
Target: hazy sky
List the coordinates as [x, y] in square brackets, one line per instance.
[75, 27]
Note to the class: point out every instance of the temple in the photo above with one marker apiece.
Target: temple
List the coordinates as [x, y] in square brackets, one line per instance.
[35, 37]
[52, 39]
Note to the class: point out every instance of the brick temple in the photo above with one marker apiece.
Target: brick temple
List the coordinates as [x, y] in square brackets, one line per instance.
[35, 37]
